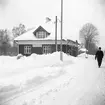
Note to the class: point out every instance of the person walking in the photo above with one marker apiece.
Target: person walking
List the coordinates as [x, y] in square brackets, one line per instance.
[99, 56]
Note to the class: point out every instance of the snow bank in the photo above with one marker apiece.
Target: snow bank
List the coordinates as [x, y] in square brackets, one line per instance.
[83, 49]
[84, 55]
[8, 63]
[15, 71]
[17, 75]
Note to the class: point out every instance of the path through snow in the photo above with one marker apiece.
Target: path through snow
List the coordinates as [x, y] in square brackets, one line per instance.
[82, 84]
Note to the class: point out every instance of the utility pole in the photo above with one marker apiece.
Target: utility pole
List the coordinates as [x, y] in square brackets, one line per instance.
[56, 33]
[61, 54]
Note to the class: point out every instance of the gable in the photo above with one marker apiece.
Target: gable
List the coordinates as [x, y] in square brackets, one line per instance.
[40, 32]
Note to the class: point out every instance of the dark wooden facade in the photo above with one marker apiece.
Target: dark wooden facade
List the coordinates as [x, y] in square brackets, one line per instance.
[70, 50]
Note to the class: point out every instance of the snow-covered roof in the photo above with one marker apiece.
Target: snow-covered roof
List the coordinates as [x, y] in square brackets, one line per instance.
[30, 36]
[83, 49]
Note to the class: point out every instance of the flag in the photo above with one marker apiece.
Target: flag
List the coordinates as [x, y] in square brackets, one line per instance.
[48, 19]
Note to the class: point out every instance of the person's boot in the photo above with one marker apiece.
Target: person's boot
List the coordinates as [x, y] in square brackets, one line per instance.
[99, 65]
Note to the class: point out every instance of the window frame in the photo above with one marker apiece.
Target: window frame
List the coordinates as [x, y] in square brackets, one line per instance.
[27, 49]
[41, 34]
[47, 49]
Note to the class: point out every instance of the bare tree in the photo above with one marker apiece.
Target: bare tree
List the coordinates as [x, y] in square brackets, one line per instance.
[18, 30]
[4, 41]
[89, 36]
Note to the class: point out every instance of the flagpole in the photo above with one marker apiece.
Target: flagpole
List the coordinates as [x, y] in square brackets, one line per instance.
[56, 32]
[61, 54]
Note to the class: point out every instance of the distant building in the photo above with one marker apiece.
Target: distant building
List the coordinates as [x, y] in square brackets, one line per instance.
[40, 41]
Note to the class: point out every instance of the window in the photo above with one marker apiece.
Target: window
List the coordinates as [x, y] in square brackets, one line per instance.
[46, 49]
[27, 49]
[41, 34]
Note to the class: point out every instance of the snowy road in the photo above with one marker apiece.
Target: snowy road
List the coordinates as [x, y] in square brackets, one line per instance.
[82, 84]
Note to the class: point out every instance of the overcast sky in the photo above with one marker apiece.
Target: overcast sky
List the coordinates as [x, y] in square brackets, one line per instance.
[76, 14]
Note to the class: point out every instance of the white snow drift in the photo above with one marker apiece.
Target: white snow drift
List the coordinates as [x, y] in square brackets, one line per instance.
[45, 80]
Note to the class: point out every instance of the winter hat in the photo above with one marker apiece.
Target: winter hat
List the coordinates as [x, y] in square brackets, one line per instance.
[99, 47]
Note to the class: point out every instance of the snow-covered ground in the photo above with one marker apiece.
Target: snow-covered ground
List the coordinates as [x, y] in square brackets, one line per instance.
[45, 80]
